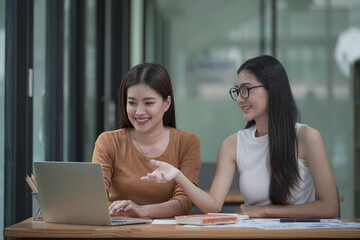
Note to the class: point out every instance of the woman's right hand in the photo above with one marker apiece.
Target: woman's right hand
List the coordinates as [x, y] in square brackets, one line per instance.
[163, 174]
[128, 208]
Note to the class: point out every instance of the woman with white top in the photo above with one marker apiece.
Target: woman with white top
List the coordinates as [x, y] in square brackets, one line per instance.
[282, 163]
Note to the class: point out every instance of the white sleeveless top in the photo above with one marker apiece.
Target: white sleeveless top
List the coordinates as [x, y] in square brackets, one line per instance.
[252, 159]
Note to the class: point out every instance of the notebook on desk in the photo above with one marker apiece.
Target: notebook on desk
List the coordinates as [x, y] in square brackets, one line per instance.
[75, 193]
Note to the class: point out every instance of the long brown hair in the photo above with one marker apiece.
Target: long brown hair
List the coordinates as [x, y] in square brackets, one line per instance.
[155, 76]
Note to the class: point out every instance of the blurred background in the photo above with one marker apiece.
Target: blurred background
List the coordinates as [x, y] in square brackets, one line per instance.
[61, 63]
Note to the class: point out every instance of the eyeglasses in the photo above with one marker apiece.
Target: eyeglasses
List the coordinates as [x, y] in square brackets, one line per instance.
[244, 91]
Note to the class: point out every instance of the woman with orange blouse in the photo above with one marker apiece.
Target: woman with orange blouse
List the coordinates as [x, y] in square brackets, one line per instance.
[147, 131]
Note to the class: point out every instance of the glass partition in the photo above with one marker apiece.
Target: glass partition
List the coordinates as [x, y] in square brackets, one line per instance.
[39, 80]
[202, 43]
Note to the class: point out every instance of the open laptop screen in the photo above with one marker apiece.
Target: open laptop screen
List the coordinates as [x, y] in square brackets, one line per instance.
[74, 192]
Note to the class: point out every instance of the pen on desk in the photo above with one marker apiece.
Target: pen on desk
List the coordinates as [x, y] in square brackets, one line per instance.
[285, 220]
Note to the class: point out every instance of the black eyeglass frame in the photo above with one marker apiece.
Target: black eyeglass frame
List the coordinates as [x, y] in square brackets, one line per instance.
[239, 92]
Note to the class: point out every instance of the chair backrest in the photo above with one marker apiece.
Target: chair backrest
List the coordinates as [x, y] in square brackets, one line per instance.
[207, 173]
[206, 176]
[339, 210]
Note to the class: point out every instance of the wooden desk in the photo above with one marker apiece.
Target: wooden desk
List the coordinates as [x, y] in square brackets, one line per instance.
[37, 229]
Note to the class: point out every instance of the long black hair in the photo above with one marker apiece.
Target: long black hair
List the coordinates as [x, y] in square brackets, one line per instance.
[156, 77]
[283, 115]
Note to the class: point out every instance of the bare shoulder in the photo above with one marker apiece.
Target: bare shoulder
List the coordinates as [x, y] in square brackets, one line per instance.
[230, 141]
[310, 143]
[308, 135]
[228, 148]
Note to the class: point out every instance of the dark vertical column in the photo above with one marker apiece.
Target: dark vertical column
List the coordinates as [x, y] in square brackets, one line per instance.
[100, 66]
[54, 114]
[273, 28]
[18, 109]
[357, 138]
[76, 80]
[262, 26]
[120, 45]
[144, 31]
[329, 50]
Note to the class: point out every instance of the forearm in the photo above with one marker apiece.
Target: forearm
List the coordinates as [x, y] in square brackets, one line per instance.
[315, 209]
[203, 200]
[167, 209]
[206, 202]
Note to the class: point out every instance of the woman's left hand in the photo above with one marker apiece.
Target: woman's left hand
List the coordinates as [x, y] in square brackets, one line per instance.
[163, 174]
[128, 208]
[251, 211]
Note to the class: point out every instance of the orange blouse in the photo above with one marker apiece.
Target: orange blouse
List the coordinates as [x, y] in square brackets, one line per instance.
[123, 166]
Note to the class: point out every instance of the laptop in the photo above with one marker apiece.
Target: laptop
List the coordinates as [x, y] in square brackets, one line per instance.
[75, 193]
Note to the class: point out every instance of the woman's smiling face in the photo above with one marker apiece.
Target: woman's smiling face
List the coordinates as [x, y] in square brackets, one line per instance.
[255, 107]
[145, 107]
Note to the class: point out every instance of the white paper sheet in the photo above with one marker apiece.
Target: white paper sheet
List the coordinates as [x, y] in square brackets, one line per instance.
[272, 224]
[276, 224]
[160, 221]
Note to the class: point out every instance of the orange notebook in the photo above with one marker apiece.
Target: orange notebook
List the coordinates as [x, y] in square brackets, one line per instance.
[207, 219]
